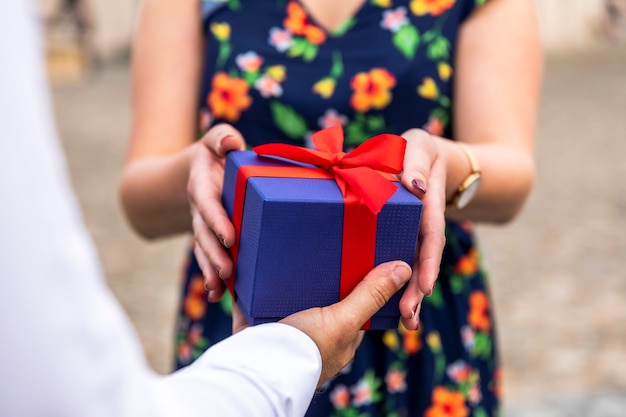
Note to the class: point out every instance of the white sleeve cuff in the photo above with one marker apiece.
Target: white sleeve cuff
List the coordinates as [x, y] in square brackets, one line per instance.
[265, 370]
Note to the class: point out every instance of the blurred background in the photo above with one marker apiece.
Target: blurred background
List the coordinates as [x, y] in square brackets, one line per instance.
[558, 272]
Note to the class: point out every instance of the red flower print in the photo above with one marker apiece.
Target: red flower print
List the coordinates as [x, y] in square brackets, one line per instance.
[331, 118]
[372, 89]
[249, 62]
[434, 126]
[194, 304]
[467, 264]
[340, 396]
[393, 20]
[459, 371]
[280, 39]
[362, 393]
[268, 86]
[228, 97]
[396, 381]
[298, 23]
[447, 404]
[478, 315]
[411, 339]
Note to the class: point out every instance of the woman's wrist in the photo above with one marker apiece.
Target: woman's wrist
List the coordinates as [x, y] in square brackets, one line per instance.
[458, 166]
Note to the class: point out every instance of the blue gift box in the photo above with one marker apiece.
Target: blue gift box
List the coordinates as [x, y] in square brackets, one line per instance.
[290, 243]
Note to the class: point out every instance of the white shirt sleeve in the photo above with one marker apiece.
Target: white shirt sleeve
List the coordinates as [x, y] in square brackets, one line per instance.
[67, 348]
[266, 368]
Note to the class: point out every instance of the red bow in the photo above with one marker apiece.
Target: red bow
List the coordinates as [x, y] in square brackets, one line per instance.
[357, 172]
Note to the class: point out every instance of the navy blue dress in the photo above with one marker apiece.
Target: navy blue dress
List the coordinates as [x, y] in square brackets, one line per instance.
[276, 75]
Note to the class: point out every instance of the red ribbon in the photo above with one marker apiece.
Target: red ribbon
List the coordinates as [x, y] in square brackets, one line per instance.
[362, 177]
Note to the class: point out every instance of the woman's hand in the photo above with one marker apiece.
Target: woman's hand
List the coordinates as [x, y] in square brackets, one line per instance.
[424, 174]
[212, 229]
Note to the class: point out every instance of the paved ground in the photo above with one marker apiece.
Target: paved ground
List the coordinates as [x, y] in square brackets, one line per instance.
[558, 272]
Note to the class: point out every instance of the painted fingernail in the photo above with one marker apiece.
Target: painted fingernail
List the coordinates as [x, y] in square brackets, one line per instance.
[419, 185]
[432, 288]
[223, 241]
[416, 312]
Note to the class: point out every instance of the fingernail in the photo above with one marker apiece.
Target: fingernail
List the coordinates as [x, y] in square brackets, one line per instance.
[419, 185]
[432, 288]
[416, 312]
[223, 240]
[401, 274]
[217, 271]
[221, 141]
[205, 287]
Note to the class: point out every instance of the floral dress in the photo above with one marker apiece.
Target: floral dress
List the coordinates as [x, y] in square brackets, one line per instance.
[278, 76]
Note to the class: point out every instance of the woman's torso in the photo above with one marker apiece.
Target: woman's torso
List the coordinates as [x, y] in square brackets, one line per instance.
[278, 76]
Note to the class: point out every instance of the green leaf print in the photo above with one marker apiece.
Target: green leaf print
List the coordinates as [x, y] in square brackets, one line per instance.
[234, 4]
[336, 70]
[288, 120]
[344, 28]
[251, 77]
[363, 127]
[374, 384]
[375, 123]
[310, 52]
[430, 35]
[406, 40]
[482, 346]
[226, 303]
[298, 47]
[222, 55]
[457, 284]
[480, 412]
[354, 134]
[435, 298]
[439, 49]
[348, 412]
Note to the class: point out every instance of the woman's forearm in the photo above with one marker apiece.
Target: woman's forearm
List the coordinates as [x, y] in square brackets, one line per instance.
[153, 194]
[507, 176]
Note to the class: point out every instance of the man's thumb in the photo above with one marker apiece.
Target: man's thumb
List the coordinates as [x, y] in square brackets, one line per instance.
[375, 290]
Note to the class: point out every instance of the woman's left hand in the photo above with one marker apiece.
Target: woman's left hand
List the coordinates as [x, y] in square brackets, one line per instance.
[424, 174]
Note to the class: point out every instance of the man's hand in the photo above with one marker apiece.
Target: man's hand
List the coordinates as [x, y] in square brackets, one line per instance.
[336, 329]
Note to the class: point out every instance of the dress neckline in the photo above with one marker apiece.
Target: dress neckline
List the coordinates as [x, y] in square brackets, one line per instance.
[343, 25]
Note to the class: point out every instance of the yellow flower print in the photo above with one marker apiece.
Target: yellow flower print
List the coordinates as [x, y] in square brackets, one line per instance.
[428, 89]
[432, 7]
[445, 71]
[221, 31]
[434, 341]
[390, 339]
[277, 72]
[382, 3]
[324, 87]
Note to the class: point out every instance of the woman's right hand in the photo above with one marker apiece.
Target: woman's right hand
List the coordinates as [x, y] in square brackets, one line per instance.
[212, 229]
